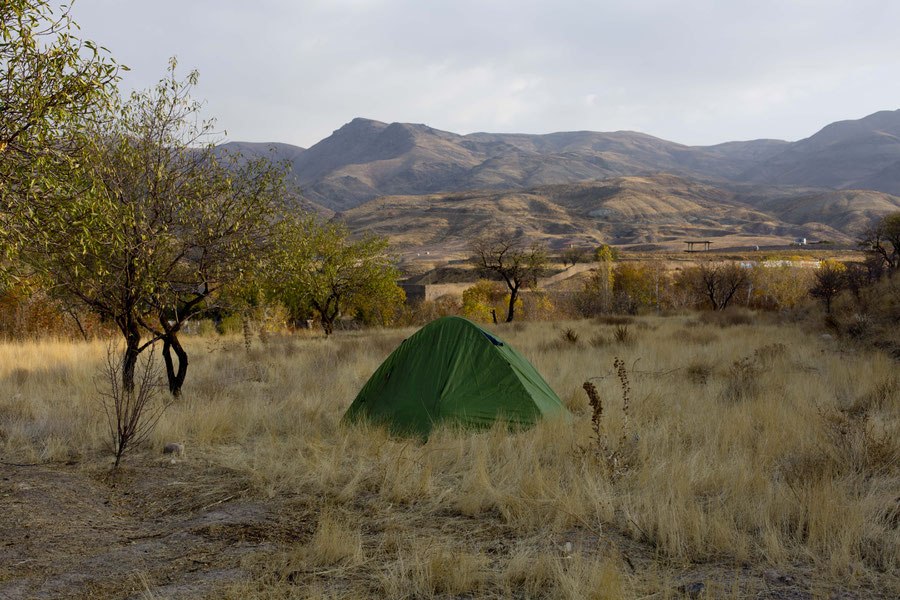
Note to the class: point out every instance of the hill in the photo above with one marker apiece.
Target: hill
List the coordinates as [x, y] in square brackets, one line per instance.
[658, 209]
[277, 152]
[860, 154]
[365, 159]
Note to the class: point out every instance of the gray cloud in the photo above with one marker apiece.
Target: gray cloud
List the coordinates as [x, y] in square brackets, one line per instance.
[694, 71]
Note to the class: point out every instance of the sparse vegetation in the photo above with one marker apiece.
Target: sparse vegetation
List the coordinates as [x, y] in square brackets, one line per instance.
[336, 511]
[730, 453]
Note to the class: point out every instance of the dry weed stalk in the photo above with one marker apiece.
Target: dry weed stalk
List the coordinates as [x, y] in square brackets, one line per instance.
[596, 414]
[131, 414]
[622, 374]
[613, 460]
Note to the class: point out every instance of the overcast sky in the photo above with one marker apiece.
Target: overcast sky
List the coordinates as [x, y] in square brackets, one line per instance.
[691, 71]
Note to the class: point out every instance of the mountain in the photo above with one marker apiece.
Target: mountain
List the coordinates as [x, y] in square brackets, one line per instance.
[657, 209]
[424, 186]
[365, 159]
[860, 154]
[277, 152]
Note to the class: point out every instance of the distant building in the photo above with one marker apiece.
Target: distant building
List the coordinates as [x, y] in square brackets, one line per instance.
[800, 241]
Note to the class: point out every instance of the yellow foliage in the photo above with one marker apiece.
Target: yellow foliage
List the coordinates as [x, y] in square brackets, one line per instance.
[781, 286]
[483, 297]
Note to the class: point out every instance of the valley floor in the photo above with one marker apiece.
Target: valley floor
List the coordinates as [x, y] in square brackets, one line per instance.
[746, 459]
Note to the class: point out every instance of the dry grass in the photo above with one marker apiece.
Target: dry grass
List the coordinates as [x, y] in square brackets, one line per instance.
[755, 445]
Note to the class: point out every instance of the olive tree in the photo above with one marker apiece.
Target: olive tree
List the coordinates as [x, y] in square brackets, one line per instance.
[514, 261]
[50, 81]
[162, 226]
[316, 265]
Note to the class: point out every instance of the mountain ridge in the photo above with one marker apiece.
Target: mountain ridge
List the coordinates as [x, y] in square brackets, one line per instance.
[365, 159]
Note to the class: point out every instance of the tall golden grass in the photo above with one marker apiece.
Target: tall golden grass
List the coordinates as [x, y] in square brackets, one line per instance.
[753, 443]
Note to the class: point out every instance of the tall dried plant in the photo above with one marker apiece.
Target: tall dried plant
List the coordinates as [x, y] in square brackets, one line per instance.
[611, 459]
[131, 413]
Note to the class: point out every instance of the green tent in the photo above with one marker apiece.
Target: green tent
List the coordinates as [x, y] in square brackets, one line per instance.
[453, 372]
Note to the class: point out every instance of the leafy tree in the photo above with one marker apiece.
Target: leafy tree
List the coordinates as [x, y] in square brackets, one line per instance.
[883, 241]
[830, 279]
[596, 296]
[315, 265]
[573, 255]
[50, 80]
[508, 257]
[606, 253]
[779, 286]
[163, 226]
[481, 301]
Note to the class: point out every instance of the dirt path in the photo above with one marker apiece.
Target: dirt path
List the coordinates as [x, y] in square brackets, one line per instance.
[68, 534]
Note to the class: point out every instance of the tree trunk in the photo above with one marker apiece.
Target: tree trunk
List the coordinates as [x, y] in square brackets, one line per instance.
[74, 316]
[132, 349]
[327, 325]
[245, 328]
[175, 378]
[512, 304]
[328, 314]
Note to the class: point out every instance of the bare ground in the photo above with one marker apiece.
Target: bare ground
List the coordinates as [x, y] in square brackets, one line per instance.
[188, 529]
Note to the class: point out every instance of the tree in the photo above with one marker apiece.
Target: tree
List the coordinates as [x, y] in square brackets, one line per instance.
[718, 283]
[882, 240]
[606, 253]
[508, 257]
[50, 80]
[573, 255]
[163, 226]
[131, 414]
[779, 286]
[596, 295]
[830, 279]
[482, 301]
[316, 266]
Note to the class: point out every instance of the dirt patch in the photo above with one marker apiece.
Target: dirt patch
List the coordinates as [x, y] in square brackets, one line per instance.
[72, 533]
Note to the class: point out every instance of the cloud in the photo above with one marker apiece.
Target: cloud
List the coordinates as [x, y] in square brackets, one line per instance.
[695, 71]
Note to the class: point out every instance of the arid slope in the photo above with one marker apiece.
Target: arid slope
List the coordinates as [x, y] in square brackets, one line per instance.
[656, 209]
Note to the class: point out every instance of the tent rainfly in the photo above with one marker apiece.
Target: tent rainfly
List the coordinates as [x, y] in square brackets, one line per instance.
[452, 372]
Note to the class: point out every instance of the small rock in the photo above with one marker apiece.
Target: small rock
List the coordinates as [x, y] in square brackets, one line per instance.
[826, 336]
[692, 590]
[174, 448]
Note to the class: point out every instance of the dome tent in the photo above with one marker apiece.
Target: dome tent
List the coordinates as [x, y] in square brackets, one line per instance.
[453, 372]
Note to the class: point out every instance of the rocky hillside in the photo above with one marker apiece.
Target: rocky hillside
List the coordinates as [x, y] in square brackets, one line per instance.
[661, 210]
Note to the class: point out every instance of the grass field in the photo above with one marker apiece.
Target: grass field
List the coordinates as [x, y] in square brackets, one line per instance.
[754, 459]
